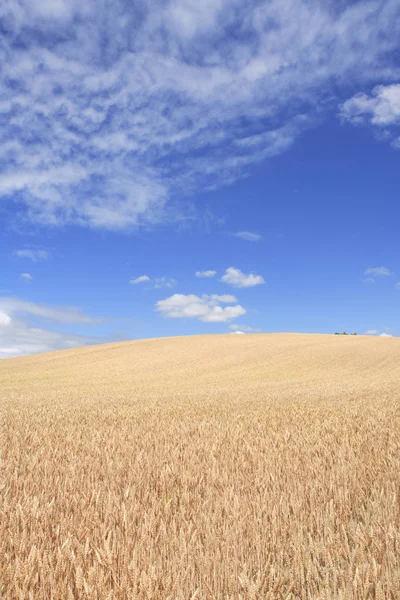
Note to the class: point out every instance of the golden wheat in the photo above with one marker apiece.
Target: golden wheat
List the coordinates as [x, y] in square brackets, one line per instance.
[211, 467]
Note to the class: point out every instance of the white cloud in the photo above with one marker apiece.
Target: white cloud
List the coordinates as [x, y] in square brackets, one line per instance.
[32, 254]
[244, 328]
[369, 280]
[157, 282]
[378, 272]
[109, 120]
[4, 319]
[381, 108]
[371, 332]
[164, 282]
[238, 332]
[248, 236]
[385, 335]
[19, 338]
[205, 274]
[140, 279]
[205, 308]
[236, 278]
[26, 277]
[14, 306]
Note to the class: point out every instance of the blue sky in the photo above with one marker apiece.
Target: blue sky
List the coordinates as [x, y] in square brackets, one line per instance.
[145, 145]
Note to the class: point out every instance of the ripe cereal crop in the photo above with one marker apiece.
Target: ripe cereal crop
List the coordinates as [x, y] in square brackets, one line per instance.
[221, 467]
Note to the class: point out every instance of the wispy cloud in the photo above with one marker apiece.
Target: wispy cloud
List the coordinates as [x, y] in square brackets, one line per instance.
[108, 116]
[244, 328]
[140, 279]
[17, 337]
[156, 282]
[27, 277]
[32, 254]
[205, 274]
[378, 271]
[164, 282]
[237, 278]
[371, 332]
[204, 308]
[248, 236]
[14, 306]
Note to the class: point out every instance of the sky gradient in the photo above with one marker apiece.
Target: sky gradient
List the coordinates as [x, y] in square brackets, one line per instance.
[175, 168]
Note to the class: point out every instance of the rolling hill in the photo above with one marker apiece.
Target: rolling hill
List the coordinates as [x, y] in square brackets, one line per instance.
[220, 466]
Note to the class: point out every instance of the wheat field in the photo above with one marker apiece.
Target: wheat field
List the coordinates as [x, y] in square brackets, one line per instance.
[208, 467]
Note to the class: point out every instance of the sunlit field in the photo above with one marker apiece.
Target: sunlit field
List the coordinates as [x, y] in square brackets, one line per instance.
[211, 467]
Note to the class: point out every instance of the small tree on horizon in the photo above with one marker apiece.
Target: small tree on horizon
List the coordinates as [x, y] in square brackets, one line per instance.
[345, 333]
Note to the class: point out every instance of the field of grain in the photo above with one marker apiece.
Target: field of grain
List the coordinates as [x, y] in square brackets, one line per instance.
[210, 467]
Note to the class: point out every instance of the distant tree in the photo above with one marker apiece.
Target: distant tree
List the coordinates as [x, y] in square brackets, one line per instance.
[345, 333]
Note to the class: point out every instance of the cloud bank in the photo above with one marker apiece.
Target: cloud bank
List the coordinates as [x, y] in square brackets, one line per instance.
[109, 114]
